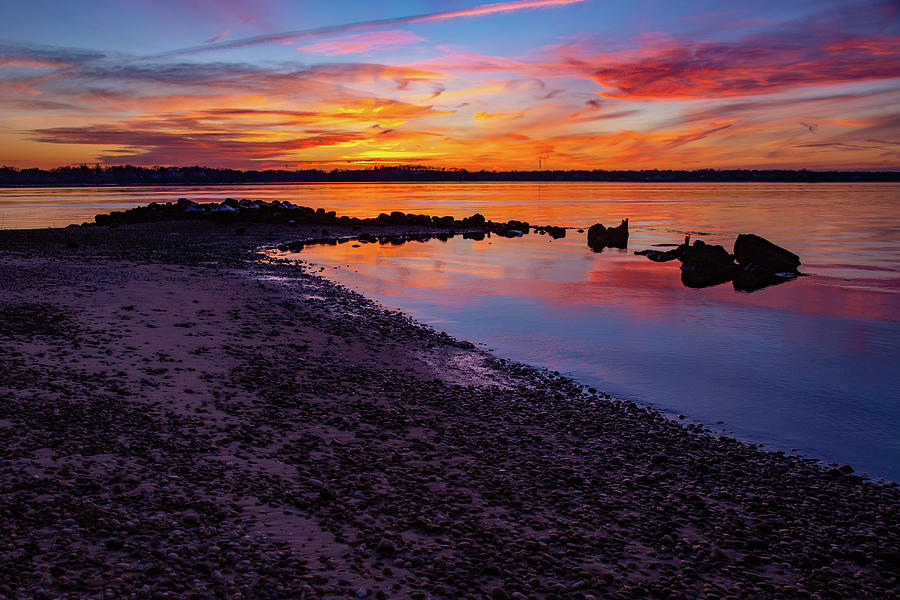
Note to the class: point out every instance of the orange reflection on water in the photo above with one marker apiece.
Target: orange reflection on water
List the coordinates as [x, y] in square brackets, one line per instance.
[565, 273]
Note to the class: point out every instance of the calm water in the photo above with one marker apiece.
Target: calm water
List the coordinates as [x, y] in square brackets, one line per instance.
[810, 364]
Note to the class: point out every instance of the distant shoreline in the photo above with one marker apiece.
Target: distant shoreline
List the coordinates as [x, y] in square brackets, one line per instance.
[173, 176]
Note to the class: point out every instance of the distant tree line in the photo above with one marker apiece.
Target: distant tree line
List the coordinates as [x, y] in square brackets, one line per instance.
[130, 175]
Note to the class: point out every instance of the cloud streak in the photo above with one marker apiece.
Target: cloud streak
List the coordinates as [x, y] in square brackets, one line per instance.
[362, 43]
[295, 36]
[218, 37]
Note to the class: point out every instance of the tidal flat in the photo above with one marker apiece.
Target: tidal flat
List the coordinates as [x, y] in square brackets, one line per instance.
[182, 417]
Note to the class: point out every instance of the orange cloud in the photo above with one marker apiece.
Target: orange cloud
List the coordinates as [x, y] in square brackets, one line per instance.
[489, 9]
[32, 62]
[505, 114]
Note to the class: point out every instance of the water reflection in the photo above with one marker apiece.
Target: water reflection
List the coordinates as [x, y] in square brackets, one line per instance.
[811, 364]
[807, 365]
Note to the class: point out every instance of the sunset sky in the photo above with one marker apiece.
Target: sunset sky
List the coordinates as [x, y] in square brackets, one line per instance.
[507, 85]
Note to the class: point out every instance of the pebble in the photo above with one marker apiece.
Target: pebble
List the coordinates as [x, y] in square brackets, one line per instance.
[503, 480]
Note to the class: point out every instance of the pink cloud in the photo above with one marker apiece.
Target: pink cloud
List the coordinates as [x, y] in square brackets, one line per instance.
[682, 70]
[218, 37]
[489, 9]
[362, 43]
[294, 36]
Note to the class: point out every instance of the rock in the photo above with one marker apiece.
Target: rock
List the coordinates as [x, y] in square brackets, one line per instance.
[553, 231]
[751, 249]
[386, 547]
[498, 593]
[703, 265]
[762, 263]
[661, 256]
[599, 237]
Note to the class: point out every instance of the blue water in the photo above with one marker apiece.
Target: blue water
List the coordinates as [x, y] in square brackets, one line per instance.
[812, 364]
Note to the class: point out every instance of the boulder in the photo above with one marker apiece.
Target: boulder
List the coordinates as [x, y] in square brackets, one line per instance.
[599, 237]
[703, 265]
[762, 263]
[751, 249]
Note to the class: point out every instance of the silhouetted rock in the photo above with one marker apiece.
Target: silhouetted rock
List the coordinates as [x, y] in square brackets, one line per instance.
[511, 228]
[703, 265]
[666, 255]
[554, 232]
[751, 249]
[599, 237]
[660, 255]
[762, 263]
[476, 220]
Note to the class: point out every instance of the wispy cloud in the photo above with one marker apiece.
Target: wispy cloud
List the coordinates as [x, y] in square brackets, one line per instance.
[362, 43]
[296, 36]
[218, 37]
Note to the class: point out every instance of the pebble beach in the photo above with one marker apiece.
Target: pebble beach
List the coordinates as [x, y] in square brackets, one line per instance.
[184, 417]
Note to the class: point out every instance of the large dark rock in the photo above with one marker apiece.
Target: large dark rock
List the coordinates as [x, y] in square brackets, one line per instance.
[762, 263]
[599, 236]
[703, 265]
[751, 249]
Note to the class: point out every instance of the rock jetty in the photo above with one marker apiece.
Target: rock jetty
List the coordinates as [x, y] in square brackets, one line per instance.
[276, 212]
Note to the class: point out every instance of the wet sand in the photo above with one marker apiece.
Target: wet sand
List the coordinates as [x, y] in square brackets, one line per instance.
[180, 420]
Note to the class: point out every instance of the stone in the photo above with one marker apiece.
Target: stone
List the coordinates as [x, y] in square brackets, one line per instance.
[661, 256]
[751, 249]
[704, 265]
[386, 547]
[599, 236]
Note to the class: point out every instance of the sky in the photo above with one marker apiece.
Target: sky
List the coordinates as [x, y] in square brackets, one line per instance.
[519, 84]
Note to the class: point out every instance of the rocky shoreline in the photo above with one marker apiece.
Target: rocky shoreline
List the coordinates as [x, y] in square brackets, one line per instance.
[182, 420]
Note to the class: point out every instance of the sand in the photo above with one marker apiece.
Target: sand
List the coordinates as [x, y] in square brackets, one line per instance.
[182, 420]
